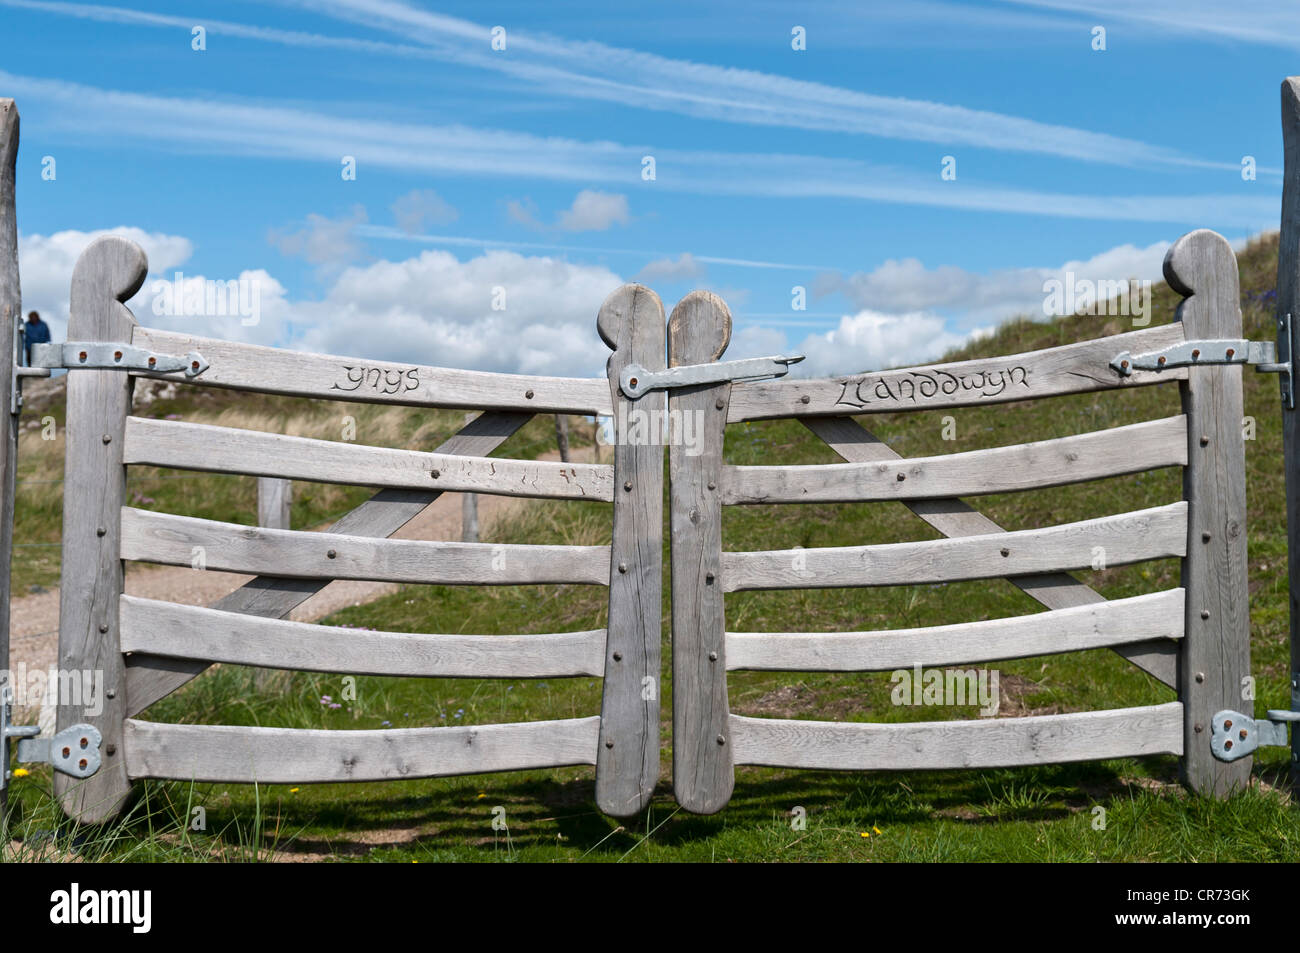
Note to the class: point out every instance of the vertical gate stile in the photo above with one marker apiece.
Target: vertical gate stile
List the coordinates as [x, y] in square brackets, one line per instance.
[1215, 658]
[703, 776]
[631, 322]
[108, 272]
[10, 317]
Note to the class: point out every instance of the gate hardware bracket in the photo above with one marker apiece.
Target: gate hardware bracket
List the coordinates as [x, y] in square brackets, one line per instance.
[1234, 735]
[1267, 357]
[636, 380]
[100, 355]
[74, 751]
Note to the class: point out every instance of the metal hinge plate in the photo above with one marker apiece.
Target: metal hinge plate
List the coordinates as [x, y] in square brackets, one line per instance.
[1234, 735]
[74, 751]
[636, 380]
[1267, 357]
[101, 355]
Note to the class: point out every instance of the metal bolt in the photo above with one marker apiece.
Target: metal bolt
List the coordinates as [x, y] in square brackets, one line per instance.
[435, 474]
[111, 693]
[622, 567]
[721, 740]
[106, 438]
[110, 750]
[712, 485]
[331, 554]
[528, 394]
[713, 656]
[805, 399]
[100, 531]
[902, 477]
[708, 577]
[1005, 551]
[609, 742]
[719, 403]
[1205, 441]
[1205, 537]
[628, 486]
[1200, 677]
[103, 627]
[618, 656]
[1205, 613]
[1198, 728]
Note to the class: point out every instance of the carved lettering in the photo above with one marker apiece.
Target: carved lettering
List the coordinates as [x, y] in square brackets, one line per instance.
[919, 386]
[385, 381]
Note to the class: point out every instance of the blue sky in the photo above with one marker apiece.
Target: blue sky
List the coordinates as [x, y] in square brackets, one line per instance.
[522, 169]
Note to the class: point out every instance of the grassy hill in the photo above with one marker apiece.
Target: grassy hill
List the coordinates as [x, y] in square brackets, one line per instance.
[1043, 813]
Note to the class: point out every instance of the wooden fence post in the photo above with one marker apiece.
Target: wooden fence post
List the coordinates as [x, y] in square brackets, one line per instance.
[1215, 656]
[1288, 302]
[631, 322]
[108, 272]
[274, 502]
[703, 773]
[10, 315]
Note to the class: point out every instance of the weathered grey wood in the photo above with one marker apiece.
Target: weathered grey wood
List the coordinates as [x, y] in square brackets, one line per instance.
[1152, 533]
[229, 547]
[270, 370]
[225, 753]
[562, 436]
[1101, 625]
[168, 629]
[108, 272]
[1069, 369]
[170, 443]
[274, 497]
[1201, 266]
[703, 776]
[1288, 302]
[631, 322]
[11, 313]
[150, 678]
[955, 518]
[1074, 459]
[983, 743]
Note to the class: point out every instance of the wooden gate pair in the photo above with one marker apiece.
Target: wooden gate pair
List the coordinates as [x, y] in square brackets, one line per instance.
[1194, 638]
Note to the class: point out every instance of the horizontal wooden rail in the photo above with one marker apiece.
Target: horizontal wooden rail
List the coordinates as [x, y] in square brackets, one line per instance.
[983, 743]
[1124, 538]
[269, 370]
[192, 632]
[167, 443]
[1102, 625]
[226, 753]
[1069, 369]
[228, 547]
[1091, 456]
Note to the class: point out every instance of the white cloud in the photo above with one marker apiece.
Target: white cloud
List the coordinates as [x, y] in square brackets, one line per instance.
[594, 212]
[421, 208]
[870, 340]
[329, 243]
[685, 268]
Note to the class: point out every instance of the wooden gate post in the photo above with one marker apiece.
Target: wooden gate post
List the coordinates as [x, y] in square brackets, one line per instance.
[631, 322]
[703, 773]
[1215, 657]
[10, 316]
[108, 272]
[1288, 302]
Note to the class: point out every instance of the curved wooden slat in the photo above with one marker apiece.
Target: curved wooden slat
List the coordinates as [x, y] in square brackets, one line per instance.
[1125, 538]
[226, 753]
[228, 547]
[1101, 625]
[192, 632]
[271, 370]
[1091, 456]
[1069, 369]
[983, 743]
[168, 443]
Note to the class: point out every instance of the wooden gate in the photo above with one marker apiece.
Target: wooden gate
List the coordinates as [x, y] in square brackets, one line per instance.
[147, 649]
[1194, 638]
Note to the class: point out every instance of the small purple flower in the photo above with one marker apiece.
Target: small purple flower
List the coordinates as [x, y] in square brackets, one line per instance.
[172, 417]
[335, 705]
[386, 724]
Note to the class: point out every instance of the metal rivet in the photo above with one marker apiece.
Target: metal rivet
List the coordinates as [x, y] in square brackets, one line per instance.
[1231, 352]
[713, 656]
[106, 438]
[1123, 364]
[1200, 677]
[628, 486]
[708, 577]
[83, 355]
[110, 750]
[721, 740]
[1196, 352]
[1242, 734]
[618, 656]
[1161, 361]
[117, 355]
[1198, 728]
[719, 403]
[1205, 441]
[100, 531]
[805, 399]
[712, 485]
[331, 554]
[1005, 551]
[902, 477]
[622, 567]
[1205, 537]
[194, 365]
[103, 627]
[435, 474]
[111, 693]
[1205, 613]
[528, 394]
[1227, 724]
[632, 382]
[609, 742]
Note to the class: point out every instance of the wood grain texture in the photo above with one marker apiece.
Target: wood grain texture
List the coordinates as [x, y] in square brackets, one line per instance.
[631, 323]
[703, 776]
[108, 272]
[177, 631]
[983, 743]
[269, 370]
[1068, 369]
[167, 443]
[274, 497]
[223, 753]
[1132, 449]
[231, 547]
[1100, 625]
[11, 312]
[1288, 302]
[1126, 538]
[150, 678]
[955, 518]
[1202, 267]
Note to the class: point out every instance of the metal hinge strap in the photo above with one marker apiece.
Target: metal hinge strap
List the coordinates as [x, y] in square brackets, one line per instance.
[74, 751]
[636, 380]
[1234, 735]
[108, 355]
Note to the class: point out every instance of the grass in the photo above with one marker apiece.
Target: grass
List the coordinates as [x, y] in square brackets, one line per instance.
[1126, 810]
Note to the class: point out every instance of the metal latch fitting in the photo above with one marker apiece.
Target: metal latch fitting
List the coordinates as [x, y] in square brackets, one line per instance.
[74, 751]
[1234, 735]
[636, 380]
[1268, 358]
[100, 355]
